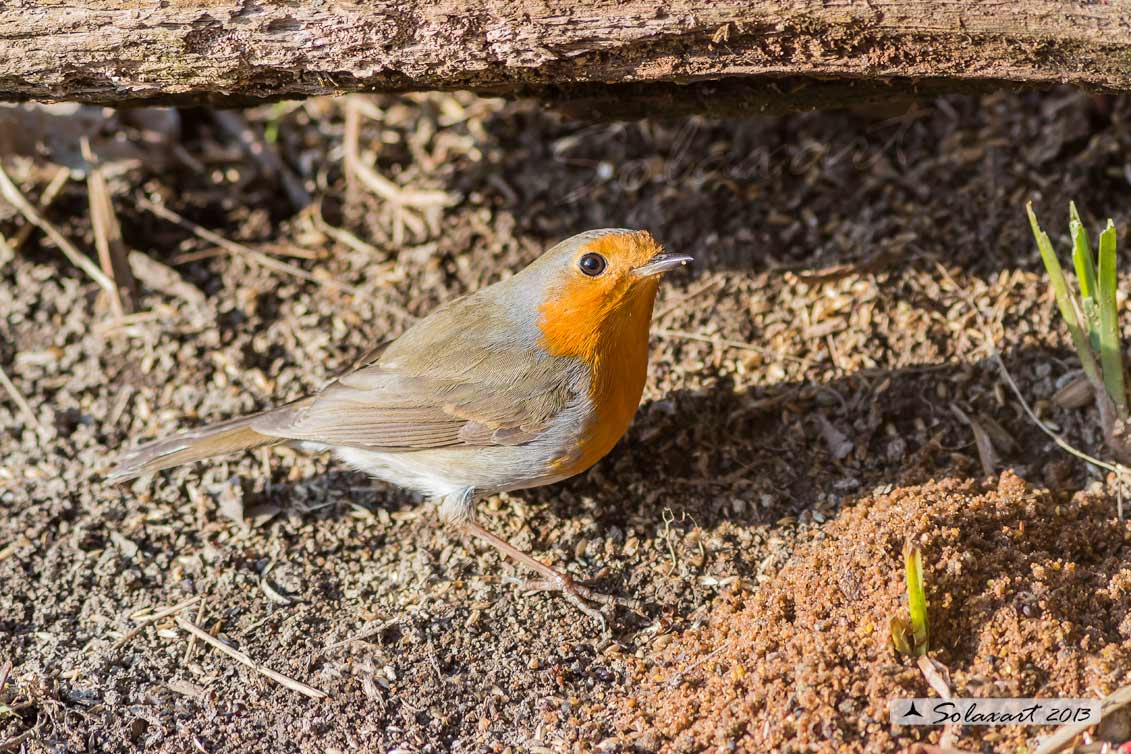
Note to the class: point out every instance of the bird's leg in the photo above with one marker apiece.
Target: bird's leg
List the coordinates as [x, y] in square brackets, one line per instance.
[554, 580]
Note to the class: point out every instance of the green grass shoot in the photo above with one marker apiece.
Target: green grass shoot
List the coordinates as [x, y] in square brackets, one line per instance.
[912, 637]
[1092, 317]
[271, 129]
[1111, 355]
[916, 596]
[1085, 270]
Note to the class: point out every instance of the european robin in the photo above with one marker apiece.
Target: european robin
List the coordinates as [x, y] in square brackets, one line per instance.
[523, 383]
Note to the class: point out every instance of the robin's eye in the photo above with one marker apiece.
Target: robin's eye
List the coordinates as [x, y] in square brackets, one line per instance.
[592, 264]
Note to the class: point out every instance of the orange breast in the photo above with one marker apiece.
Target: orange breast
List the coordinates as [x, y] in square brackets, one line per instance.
[614, 343]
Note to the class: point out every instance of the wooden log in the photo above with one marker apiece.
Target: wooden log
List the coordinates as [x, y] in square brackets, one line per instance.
[236, 51]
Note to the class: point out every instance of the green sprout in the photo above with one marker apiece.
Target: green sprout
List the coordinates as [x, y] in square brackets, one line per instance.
[1092, 317]
[271, 129]
[912, 637]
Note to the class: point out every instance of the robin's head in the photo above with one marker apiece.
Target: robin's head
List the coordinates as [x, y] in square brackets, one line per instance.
[598, 286]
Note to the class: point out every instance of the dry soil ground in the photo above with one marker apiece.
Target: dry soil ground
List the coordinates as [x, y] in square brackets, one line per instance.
[802, 418]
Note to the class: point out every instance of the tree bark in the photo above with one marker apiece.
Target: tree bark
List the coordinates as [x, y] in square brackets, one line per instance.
[235, 51]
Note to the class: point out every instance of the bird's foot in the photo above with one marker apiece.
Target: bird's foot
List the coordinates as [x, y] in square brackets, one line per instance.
[579, 595]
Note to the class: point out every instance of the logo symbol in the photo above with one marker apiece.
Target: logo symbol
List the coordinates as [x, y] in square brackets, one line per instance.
[912, 711]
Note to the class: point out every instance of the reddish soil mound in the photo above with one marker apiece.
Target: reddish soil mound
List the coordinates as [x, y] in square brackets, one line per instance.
[1029, 595]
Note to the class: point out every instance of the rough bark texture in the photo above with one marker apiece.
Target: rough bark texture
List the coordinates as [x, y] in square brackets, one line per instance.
[122, 51]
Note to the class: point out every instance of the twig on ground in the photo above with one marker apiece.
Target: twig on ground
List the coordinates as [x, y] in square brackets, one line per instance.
[192, 639]
[403, 201]
[367, 633]
[239, 656]
[938, 678]
[992, 352]
[707, 286]
[1065, 734]
[150, 618]
[22, 405]
[1117, 469]
[7, 253]
[12, 194]
[351, 139]
[723, 342]
[148, 615]
[46, 199]
[342, 235]
[382, 186]
[253, 255]
[13, 742]
[121, 403]
[164, 279]
[108, 242]
[127, 321]
[986, 454]
[295, 252]
[922, 748]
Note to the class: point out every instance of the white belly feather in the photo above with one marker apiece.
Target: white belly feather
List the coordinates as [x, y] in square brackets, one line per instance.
[464, 472]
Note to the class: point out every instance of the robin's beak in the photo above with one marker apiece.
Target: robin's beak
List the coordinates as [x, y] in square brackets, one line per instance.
[661, 263]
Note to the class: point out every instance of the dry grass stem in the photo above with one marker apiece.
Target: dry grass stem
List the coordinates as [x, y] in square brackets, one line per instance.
[990, 346]
[16, 741]
[191, 647]
[709, 285]
[46, 199]
[938, 678]
[112, 253]
[22, 405]
[986, 454]
[391, 192]
[403, 200]
[351, 138]
[12, 194]
[232, 247]
[295, 252]
[935, 749]
[664, 332]
[368, 633]
[150, 618]
[239, 656]
[1114, 468]
[1063, 736]
[342, 236]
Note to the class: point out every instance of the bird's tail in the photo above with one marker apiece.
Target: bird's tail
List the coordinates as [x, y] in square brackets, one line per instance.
[195, 445]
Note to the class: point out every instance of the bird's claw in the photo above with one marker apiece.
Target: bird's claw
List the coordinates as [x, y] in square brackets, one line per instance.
[581, 596]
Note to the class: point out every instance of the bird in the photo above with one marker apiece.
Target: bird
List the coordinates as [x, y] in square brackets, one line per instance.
[520, 384]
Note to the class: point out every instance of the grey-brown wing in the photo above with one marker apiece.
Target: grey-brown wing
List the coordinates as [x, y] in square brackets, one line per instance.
[368, 358]
[382, 409]
[458, 377]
